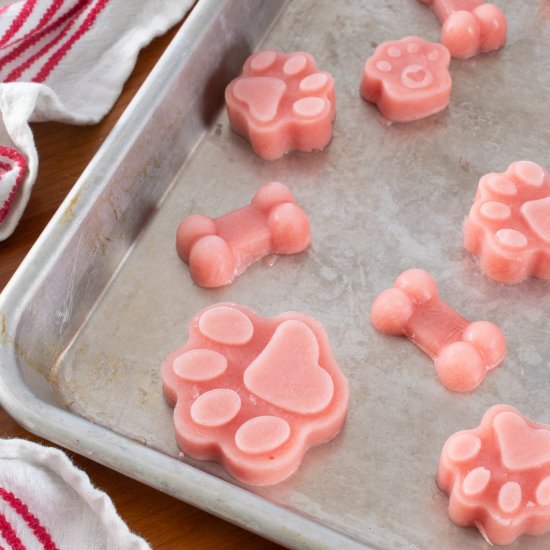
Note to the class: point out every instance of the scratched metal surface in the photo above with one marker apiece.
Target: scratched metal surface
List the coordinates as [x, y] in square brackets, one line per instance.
[382, 198]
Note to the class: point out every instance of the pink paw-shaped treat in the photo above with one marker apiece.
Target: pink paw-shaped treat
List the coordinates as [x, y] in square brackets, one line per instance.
[408, 79]
[282, 103]
[254, 393]
[463, 352]
[508, 226]
[470, 26]
[217, 250]
[497, 476]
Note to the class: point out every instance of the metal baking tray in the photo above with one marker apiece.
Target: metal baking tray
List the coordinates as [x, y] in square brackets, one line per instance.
[102, 297]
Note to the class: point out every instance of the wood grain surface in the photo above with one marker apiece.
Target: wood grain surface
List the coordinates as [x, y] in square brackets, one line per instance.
[64, 151]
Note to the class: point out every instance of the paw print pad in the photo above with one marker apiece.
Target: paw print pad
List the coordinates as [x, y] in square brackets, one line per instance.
[408, 79]
[470, 26]
[497, 476]
[463, 352]
[282, 102]
[508, 226]
[217, 250]
[254, 393]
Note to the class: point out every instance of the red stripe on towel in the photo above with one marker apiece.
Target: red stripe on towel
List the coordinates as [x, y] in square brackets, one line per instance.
[18, 71]
[9, 534]
[37, 528]
[30, 41]
[19, 163]
[19, 21]
[58, 56]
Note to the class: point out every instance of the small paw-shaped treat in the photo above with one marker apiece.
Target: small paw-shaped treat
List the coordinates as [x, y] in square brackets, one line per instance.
[470, 26]
[254, 393]
[463, 352]
[281, 103]
[217, 250]
[497, 476]
[508, 226]
[408, 79]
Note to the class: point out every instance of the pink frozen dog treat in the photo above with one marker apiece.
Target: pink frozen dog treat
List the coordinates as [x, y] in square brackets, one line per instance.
[282, 102]
[217, 250]
[463, 352]
[408, 79]
[497, 476]
[508, 226]
[470, 26]
[254, 393]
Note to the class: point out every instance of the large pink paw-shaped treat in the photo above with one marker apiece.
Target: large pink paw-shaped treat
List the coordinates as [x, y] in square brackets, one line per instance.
[463, 352]
[508, 226]
[254, 393]
[470, 26]
[217, 250]
[497, 476]
[282, 103]
[408, 79]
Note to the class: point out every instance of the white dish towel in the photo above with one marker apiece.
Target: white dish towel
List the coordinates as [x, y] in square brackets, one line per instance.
[47, 503]
[64, 60]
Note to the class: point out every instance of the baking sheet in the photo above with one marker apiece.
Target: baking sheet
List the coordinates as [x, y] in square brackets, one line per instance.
[382, 198]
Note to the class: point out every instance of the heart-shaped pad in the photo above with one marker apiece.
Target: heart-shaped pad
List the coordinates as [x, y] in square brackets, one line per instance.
[262, 94]
[521, 445]
[13, 167]
[416, 76]
[537, 214]
[287, 372]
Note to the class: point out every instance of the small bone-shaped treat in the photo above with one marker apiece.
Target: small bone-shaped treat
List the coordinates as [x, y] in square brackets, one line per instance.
[463, 352]
[470, 26]
[497, 476]
[217, 250]
[282, 102]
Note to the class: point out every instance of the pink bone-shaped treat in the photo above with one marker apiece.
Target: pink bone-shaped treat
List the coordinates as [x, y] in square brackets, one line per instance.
[497, 476]
[463, 352]
[218, 250]
[508, 226]
[282, 102]
[408, 79]
[254, 393]
[470, 26]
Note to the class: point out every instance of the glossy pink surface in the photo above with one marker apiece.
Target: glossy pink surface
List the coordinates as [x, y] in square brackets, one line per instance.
[217, 250]
[470, 26]
[282, 102]
[254, 393]
[463, 352]
[408, 79]
[508, 226]
[497, 476]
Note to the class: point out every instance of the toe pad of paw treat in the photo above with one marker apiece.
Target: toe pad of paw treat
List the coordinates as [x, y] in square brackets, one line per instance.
[281, 103]
[254, 393]
[408, 79]
[463, 352]
[217, 250]
[470, 26]
[508, 226]
[497, 476]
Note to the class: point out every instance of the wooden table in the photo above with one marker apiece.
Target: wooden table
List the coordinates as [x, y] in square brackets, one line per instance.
[64, 152]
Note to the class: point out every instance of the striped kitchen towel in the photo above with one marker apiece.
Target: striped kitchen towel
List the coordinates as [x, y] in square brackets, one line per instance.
[48, 503]
[64, 60]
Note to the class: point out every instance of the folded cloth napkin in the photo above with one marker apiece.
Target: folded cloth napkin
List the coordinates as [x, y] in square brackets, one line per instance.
[47, 503]
[64, 60]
